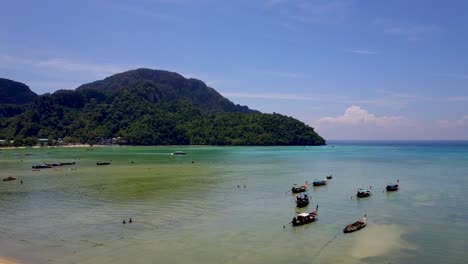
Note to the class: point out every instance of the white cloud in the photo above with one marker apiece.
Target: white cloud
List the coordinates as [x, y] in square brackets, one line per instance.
[307, 11]
[410, 31]
[365, 52]
[81, 66]
[144, 12]
[265, 96]
[328, 98]
[462, 122]
[456, 75]
[65, 65]
[291, 75]
[355, 116]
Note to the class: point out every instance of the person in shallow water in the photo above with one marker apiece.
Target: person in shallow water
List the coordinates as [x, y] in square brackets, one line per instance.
[123, 222]
[130, 221]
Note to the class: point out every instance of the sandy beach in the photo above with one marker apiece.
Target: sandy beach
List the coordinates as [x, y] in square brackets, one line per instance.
[7, 261]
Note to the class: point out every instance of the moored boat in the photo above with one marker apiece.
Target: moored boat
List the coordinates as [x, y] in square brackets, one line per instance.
[329, 177]
[355, 226]
[178, 153]
[68, 163]
[320, 183]
[41, 166]
[361, 193]
[103, 163]
[10, 178]
[303, 188]
[393, 187]
[54, 164]
[302, 200]
[305, 218]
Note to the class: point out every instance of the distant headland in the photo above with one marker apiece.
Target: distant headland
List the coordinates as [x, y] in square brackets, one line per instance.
[141, 107]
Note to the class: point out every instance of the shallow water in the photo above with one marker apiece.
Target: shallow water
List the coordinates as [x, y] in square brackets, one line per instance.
[195, 213]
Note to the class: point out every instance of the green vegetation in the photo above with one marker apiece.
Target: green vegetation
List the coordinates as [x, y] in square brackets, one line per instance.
[147, 107]
[12, 92]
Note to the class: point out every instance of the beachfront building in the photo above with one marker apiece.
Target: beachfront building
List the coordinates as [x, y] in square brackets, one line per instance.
[3, 142]
[43, 141]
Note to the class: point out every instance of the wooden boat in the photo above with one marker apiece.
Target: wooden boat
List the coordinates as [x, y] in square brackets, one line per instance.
[329, 177]
[355, 226]
[68, 163]
[361, 193]
[393, 187]
[41, 166]
[302, 201]
[320, 183]
[305, 218]
[54, 164]
[178, 153]
[303, 188]
[103, 163]
[10, 178]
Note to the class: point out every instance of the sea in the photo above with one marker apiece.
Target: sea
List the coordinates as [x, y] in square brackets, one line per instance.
[234, 205]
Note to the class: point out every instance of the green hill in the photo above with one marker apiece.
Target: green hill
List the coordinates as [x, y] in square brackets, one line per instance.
[151, 107]
[16, 93]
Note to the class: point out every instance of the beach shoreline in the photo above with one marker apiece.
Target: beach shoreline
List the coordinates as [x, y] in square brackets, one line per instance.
[7, 261]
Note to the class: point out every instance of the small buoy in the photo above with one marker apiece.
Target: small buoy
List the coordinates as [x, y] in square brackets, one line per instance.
[244, 186]
[238, 186]
[21, 181]
[132, 162]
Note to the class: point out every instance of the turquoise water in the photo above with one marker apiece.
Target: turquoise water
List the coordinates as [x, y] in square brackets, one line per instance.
[195, 213]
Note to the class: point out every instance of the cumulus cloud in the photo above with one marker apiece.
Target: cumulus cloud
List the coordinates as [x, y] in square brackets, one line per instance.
[355, 116]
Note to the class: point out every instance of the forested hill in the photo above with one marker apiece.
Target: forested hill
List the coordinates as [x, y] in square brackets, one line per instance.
[17, 93]
[167, 86]
[150, 107]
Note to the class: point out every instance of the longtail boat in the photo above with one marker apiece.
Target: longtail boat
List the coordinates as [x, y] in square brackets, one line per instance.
[302, 200]
[393, 187]
[10, 178]
[355, 226]
[305, 218]
[361, 193]
[320, 183]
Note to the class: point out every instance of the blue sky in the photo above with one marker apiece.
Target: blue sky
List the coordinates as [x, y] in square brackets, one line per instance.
[351, 69]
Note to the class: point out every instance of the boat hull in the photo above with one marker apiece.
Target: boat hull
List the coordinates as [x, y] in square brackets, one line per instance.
[298, 190]
[305, 222]
[300, 204]
[362, 195]
[9, 179]
[354, 227]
